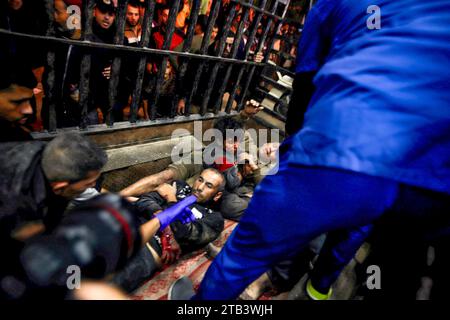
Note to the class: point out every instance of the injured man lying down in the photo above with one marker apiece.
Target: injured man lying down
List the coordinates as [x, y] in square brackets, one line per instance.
[178, 238]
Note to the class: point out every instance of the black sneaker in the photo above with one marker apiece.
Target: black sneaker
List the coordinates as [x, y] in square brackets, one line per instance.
[181, 289]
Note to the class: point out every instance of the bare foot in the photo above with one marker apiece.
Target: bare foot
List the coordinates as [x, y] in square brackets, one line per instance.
[257, 288]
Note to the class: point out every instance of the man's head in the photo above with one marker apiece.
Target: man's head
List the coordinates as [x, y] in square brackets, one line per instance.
[214, 33]
[228, 44]
[133, 14]
[15, 4]
[16, 90]
[105, 13]
[163, 15]
[209, 186]
[292, 29]
[61, 15]
[15, 104]
[201, 24]
[232, 133]
[260, 30]
[72, 163]
[142, 5]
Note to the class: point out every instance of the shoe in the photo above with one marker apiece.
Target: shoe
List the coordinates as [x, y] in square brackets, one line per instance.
[316, 295]
[181, 289]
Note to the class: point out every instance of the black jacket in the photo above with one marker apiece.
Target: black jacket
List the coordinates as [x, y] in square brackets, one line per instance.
[13, 132]
[191, 236]
[25, 194]
[100, 59]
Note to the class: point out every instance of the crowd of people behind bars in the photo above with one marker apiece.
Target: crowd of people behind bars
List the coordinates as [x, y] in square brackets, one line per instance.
[174, 87]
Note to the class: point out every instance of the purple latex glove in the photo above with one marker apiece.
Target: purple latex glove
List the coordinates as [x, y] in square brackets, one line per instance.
[187, 217]
[178, 211]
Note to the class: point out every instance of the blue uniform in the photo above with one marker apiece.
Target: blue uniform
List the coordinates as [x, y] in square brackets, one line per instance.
[382, 99]
[378, 124]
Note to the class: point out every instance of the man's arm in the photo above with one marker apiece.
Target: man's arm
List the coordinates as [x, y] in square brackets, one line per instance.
[149, 183]
[149, 204]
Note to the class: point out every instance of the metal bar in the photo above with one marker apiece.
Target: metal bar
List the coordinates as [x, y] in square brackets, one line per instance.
[120, 126]
[115, 68]
[205, 43]
[193, 21]
[278, 68]
[236, 43]
[145, 40]
[258, 9]
[275, 83]
[85, 63]
[277, 30]
[213, 74]
[186, 47]
[260, 48]
[249, 43]
[170, 28]
[51, 69]
[262, 40]
[123, 49]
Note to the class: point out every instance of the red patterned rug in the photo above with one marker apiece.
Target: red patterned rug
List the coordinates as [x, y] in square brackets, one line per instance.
[193, 265]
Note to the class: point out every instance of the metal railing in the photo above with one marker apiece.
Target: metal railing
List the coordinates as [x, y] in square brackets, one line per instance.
[272, 10]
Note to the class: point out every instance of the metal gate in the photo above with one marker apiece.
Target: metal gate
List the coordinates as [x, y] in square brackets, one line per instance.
[241, 69]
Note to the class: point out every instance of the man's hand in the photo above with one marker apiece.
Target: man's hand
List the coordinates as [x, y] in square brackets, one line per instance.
[247, 159]
[38, 89]
[249, 194]
[132, 199]
[107, 72]
[168, 192]
[181, 107]
[251, 108]
[267, 153]
[259, 57]
[74, 92]
[179, 211]
[171, 250]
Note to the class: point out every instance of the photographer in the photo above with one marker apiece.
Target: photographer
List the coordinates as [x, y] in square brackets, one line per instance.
[98, 237]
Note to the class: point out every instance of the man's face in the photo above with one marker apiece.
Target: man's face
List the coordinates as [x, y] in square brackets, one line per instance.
[132, 16]
[228, 47]
[168, 71]
[61, 14]
[231, 145]
[260, 30]
[198, 29]
[104, 19]
[15, 103]
[74, 189]
[214, 33]
[164, 17]
[206, 187]
[15, 4]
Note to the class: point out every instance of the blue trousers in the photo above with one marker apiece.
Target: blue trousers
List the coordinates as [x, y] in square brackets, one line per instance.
[339, 248]
[287, 211]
